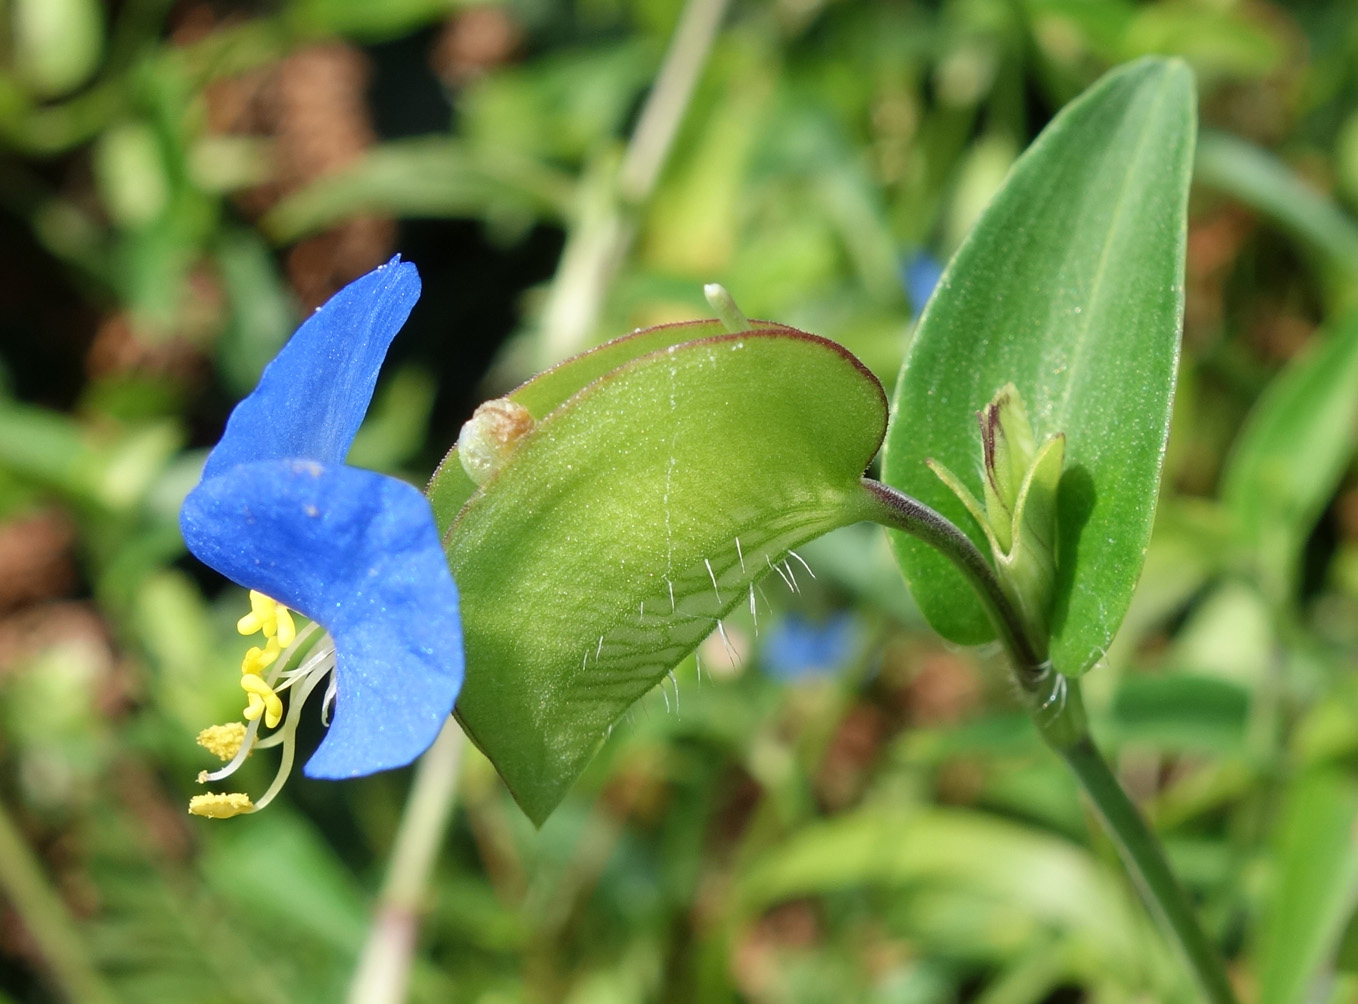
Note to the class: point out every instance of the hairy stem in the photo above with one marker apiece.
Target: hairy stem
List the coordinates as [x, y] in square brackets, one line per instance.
[900, 512]
[383, 973]
[1053, 702]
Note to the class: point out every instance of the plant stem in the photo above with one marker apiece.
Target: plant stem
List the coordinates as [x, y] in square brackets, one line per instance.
[1145, 859]
[611, 197]
[664, 109]
[900, 512]
[1053, 702]
[383, 973]
[45, 917]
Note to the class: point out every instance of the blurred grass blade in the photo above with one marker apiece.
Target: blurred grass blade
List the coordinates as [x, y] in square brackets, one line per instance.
[262, 315]
[1180, 712]
[1294, 450]
[1315, 887]
[1070, 287]
[323, 901]
[48, 448]
[47, 924]
[1263, 182]
[1000, 865]
[424, 177]
[632, 517]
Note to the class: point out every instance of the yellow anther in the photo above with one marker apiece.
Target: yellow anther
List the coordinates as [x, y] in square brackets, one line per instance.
[221, 805]
[271, 617]
[261, 613]
[287, 630]
[259, 659]
[222, 741]
[262, 699]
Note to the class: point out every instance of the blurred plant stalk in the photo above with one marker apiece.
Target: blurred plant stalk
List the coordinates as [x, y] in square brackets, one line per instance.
[613, 190]
[383, 973]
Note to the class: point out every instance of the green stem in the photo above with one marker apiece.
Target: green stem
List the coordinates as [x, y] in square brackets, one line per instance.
[46, 919]
[1053, 702]
[383, 973]
[900, 512]
[1145, 859]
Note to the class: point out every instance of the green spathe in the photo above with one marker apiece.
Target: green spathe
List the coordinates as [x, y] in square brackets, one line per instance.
[633, 515]
[452, 485]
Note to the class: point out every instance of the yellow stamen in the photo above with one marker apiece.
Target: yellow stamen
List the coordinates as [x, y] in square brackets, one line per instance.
[261, 613]
[287, 631]
[271, 617]
[259, 659]
[222, 741]
[222, 805]
[261, 668]
[261, 699]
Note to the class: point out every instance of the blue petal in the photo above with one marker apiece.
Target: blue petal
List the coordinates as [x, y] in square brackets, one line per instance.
[357, 552]
[313, 396]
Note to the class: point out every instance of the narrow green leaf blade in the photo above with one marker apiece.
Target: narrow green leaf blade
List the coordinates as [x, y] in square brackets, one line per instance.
[1314, 890]
[437, 177]
[1071, 287]
[631, 518]
[1293, 451]
[996, 863]
[1266, 184]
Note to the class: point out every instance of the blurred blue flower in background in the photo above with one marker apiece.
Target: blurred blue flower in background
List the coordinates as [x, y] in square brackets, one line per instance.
[919, 275]
[279, 512]
[798, 648]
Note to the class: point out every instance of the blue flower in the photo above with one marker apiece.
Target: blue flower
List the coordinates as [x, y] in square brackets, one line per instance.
[798, 648]
[279, 512]
[919, 276]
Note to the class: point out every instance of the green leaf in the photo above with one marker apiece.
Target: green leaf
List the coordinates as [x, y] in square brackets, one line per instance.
[424, 177]
[632, 516]
[1314, 890]
[1070, 287]
[1178, 712]
[1293, 451]
[1015, 871]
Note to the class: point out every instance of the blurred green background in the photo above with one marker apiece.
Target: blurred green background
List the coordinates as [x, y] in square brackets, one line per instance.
[848, 810]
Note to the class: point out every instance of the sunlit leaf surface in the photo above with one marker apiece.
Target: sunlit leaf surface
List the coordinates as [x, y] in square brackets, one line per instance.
[1071, 288]
[634, 516]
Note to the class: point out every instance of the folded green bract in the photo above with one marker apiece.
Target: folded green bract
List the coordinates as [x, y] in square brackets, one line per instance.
[660, 477]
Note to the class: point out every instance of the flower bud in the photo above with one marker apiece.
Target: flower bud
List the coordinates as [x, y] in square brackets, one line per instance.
[1019, 514]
